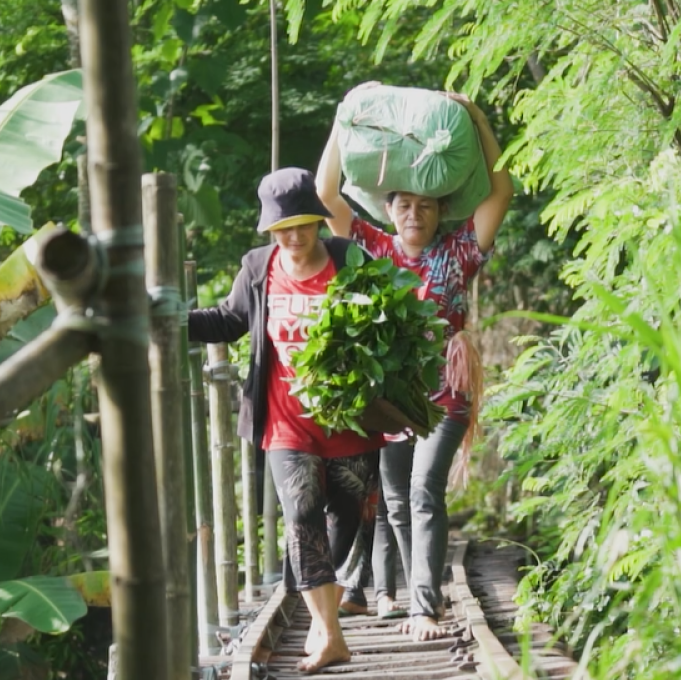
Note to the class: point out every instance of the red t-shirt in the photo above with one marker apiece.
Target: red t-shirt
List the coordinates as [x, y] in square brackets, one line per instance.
[446, 267]
[285, 426]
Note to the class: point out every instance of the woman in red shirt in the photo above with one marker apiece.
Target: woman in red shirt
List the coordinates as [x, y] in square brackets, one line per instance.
[322, 482]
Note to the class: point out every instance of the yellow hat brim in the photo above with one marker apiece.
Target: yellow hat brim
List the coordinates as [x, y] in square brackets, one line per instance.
[295, 221]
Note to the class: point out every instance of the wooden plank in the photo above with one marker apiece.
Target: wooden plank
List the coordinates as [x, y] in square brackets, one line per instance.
[497, 663]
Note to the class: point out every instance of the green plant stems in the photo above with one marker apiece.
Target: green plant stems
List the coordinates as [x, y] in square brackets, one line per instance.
[136, 560]
[224, 495]
[159, 203]
[207, 583]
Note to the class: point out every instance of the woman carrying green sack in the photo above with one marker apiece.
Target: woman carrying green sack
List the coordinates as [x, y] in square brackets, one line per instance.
[414, 486]
[322, 482]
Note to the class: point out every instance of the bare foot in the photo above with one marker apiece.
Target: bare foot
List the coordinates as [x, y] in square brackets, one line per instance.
[334, 651]
[424, 628]
[406, 627]
[314, 639]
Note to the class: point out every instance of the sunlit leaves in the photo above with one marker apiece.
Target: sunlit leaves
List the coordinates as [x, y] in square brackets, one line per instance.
[373, 339]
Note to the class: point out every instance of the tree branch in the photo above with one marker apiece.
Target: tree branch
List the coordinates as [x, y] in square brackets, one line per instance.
[661, 20]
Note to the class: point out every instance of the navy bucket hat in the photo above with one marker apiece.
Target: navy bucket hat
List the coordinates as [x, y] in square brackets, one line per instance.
[288, 198]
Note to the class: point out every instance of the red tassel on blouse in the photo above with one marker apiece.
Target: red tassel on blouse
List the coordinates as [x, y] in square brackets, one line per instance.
[464, 374]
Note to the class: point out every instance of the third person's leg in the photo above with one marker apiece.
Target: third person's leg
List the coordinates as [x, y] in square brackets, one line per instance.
[384, 563]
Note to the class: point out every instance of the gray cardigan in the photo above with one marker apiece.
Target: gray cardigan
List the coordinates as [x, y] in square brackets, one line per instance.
[244, 310]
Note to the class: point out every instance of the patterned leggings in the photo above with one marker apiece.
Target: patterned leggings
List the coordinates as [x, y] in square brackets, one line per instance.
[323, 500]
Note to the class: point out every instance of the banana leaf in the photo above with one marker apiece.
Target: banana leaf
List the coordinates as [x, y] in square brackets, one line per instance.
[27, 330]
[34, 123]
[49, 604]
[21, 290]
[24, 488]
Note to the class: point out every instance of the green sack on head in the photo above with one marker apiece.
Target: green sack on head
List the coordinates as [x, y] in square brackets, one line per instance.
[410, 139]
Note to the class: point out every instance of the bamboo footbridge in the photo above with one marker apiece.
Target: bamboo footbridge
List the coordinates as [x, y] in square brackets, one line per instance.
[120, 296]
[479, 643]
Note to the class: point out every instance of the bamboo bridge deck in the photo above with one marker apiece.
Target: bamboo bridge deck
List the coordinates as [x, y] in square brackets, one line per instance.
[480, 643]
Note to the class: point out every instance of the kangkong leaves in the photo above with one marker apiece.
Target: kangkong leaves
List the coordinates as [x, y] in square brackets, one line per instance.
[374, 339]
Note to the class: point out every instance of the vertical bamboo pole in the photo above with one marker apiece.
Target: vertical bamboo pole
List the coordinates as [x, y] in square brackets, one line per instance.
[159, 202]
[136, 562]
[192, 542]
[224, 497]
[274, 70]
[206, 582]
[250, 518]
[69, 10]
[270, 514]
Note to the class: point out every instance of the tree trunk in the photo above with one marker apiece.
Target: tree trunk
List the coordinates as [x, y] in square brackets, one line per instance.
[69, 10]
[207, 581]
[224, 497]
[159, 200]
[136, 561]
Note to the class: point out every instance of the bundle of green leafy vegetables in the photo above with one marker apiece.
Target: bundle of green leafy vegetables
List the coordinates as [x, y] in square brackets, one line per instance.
[374, 340]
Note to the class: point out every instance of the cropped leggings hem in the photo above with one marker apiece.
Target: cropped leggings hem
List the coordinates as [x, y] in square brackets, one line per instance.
[323, 500]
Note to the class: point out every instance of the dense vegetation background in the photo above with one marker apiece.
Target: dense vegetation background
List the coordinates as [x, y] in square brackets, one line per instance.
[583, 97]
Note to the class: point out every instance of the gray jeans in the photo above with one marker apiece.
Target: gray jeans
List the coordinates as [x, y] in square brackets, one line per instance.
[393, 527]
[414, 482]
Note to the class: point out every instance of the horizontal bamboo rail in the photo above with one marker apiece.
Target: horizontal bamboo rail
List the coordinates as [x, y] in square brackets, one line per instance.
[29, 372]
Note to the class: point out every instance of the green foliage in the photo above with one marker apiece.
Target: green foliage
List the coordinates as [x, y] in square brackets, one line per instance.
[45, 603]
[591, 421]
[48, 604]
[51, 513]
[33, 42]
[590, 428]
[24, 492]
[373, 339]
[215, 124]
[26, 330]
[34, 123]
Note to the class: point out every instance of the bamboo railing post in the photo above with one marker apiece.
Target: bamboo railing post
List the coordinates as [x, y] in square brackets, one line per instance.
[224, 495]
[159, 202]
[270, 507]
[250, 518]
[270, 516]
[136, 561]
[207, 580]
[192, 541]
